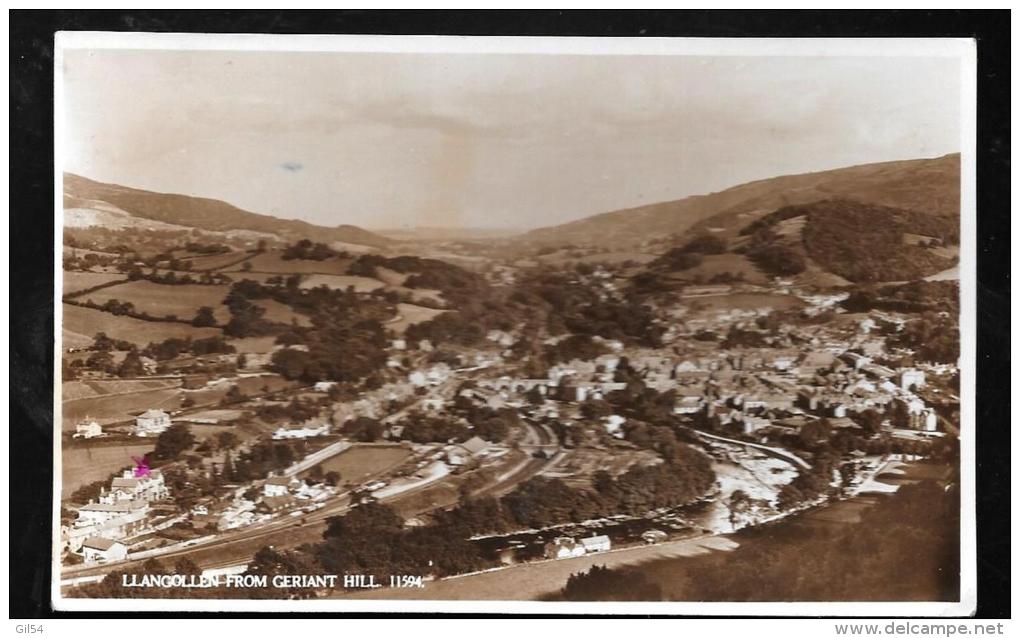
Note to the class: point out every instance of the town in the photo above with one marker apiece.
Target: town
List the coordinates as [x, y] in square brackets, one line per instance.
[733, 403]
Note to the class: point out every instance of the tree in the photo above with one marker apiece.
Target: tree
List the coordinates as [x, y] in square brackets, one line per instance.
[131, 366]
[333, 478]
[172, 441]
[246, 266]
[234, 395]
[102, 343]
[204, 318]
[227, 440]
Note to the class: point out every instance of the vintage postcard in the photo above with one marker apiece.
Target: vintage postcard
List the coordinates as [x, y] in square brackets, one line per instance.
[369, 323]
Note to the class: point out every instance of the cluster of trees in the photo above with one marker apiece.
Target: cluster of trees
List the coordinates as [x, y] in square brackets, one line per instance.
[296, 411]
[206, 249]
[306, 249]
[173, 441]
[263, 458]
[904, 548]
[372, 539]
[771, 254]
[604, 584]
[428, 428]
[864, 242]
[581, 346]
[170, 278]
[346, 341]
[176, 346]
[933, 337]
[690, 254]
[914, 296]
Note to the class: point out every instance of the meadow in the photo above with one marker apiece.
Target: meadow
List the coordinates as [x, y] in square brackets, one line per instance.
[86, 463]
[81, 324]
[161, 300]
[76, 281]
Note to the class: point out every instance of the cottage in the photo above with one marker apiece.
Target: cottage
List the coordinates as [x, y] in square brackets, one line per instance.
[151, 423]
[102, 550]
[87, 430]
[564, 547]
[596, 544]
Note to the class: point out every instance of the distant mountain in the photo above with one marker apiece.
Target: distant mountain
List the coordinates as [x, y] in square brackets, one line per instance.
[929, 186]
[82, 195]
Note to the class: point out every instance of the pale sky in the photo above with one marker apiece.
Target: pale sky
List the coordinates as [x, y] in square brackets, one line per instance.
[397, 140]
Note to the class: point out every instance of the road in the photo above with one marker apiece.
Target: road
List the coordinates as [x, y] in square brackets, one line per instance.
[529, 581]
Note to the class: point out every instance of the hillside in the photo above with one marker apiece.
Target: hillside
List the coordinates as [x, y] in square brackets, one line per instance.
[929, 186]
[828, 242]
[82, 195]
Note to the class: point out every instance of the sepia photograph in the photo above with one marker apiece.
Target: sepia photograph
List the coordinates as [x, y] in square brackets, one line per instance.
[544, 325]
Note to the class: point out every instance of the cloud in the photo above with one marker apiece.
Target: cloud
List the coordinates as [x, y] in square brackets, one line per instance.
[292, 167]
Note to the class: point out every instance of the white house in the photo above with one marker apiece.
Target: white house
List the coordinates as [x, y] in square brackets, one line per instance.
[303, 431]
[324, 386]
[595, 544]
[564, 547]
[87, 430]
[613, 423]
[911, 378]
[279, 485]
[151, 423]
[151, 487]
[102, 550]
[100, 513]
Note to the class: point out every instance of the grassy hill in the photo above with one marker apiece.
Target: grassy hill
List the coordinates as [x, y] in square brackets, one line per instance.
[928, 186]
[203, 213]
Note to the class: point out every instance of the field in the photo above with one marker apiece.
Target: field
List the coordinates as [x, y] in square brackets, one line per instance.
[86, 322]
[713, 265]
[281, 313]
[409, 314]
[272, 262]
[160, 300]
[746, 301]
[119, 407]
[85, 389]
[215, 262]
[361, 462]
[84, 465]
[564, 257]
[341, 282]
[75, 281]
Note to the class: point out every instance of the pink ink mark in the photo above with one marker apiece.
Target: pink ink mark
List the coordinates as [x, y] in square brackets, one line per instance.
[141, 466]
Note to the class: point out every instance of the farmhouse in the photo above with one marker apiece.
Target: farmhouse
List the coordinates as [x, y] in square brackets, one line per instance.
[151, 422]
[102, 550]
